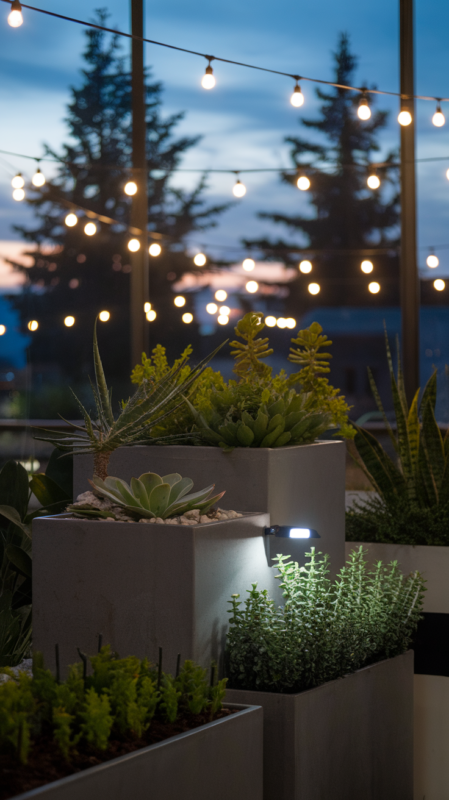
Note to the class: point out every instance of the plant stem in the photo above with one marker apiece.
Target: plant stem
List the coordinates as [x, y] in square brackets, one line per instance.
[101, 461]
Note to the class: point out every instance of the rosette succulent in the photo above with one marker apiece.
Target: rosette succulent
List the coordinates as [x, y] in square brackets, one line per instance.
[150, 496]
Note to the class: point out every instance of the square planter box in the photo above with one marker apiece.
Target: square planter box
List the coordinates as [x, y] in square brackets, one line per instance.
[349, 739]
[142, 586]
[222, 760]
[302, 485]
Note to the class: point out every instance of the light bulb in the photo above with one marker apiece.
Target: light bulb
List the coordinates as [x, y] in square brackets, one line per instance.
[303, 183]
[69, 322]
[187, 318]
[363, 111]
[305, 267]
[221, 295]
[314, 288]
[270, 321]
[281, 322]
[248, 264]
[147, 307]
[222, 319]
[290, 322]
[366, 266]
[71, 220]
[208, 80]
[130, 188]
[239, 189]
[438, 118]
[200, 260]
[439, 285]
[38, 179]
[104, 316]
[18, 194]
[252, 286]
[90, 229]
[179, 301]
[2, 330]
[18, 181]
[133, 245]
[225, 311]
[297, 98]
[404, 118]
[373, 181]
[151, 315]
[15, 18]
[33, 325]
[432, 261]
[374, 287]
[211, 308]
[155, 249]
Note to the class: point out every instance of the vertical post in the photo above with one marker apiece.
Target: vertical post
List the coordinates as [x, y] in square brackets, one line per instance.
[139, 208]
[408, 269]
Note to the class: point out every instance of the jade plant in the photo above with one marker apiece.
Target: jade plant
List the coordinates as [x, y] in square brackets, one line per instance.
[148, 497]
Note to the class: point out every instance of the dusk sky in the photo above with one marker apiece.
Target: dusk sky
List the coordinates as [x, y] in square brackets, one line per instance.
[244, 120]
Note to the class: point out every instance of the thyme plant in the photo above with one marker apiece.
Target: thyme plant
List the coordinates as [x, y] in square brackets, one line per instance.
[325, 629]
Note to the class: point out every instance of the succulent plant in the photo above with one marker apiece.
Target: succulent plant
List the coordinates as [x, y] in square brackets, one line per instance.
[150, 496]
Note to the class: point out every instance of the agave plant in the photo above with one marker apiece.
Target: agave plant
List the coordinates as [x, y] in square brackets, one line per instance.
[143, 411]
[150, 496]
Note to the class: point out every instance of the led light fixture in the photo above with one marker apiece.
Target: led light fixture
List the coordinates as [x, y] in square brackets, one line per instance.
[288, 532]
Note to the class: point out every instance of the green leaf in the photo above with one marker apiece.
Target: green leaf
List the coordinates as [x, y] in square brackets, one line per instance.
[413, 433]
[159, 499]
[150, 480]
[13, 515]
[139, 492]
[180, 489]
[433, 446]
[20, 559]
[385, 476]
[430, 393]
[47, 491]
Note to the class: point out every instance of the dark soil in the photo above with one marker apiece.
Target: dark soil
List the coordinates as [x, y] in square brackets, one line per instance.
[46, 764]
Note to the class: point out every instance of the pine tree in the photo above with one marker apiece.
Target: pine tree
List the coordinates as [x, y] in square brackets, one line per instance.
[77, 275]
[349, 217]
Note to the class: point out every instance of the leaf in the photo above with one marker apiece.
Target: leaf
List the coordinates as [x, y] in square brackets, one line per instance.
[14, 488]
[101, 382]
[430, 393]
[433, 446]
[48, 492]
[385, 475]
[13, 515]
[159, 499]
[60, 470]
[413, 434]
[20, 559]
[379, 405]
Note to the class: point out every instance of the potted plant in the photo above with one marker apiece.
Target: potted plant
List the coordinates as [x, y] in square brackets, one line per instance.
[407, 520]
[123, 728]
[331, 671]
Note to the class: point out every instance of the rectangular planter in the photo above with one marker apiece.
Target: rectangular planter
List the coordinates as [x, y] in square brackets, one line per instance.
[349, 739]
[302, 485]
[143, 586]
[222, 760]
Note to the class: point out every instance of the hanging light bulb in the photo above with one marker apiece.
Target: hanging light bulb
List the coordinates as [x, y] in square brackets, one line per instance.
[90, 229]
[33, 325]
[221, 295]
[211, 308]
[222, 319]
[373, 181]
[18, 181]
[281, 322]
[151, 315]
[130, 188]
[38, 179]
[439, 285]
[438, 118]
[208, 80]
[133, 245]
[432, 261]
[297, 98]
[2, 330]
[71, 220]
[200, 260]
[305, 267]
[104, 316]
[366, 267]
[18, 194]
[314, 288]
[179, 301]
[303, 183]
[69, 322]
[270, 321]
[239, 189]
[187, 318]
[147, 307]
[248, 264]
[363, 111]
[15, 18]
[404, 117]
[155, 249]
[251, 287]
[374, 287]
[225, 311]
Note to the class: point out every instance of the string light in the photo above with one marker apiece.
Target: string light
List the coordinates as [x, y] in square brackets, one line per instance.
[179, 301]
[208, 80]
[297, 98]
[147, 307]
[200, 260]
[439, 285]
[133, 245]
[211, 308]
[18, 194]
[225, 311]
[151, 315]
[155, 249]
[2, 330]
[33, 325]
[221, 295]
[15, 18]
[438, 118]
[222, 319]
[373, 181]
[404, 118]
[71, 220]
[38, 179]
[314, 288]
[303, 183]
[366, 267]
[305, 267]
[363, 110]
[239, 189]
[248, 264]
[252, 286]
[270, 321]
[281, 322]
[69, 322]
[90, 229]
[187, 318]
[18, 181]
[432, 261]
[130, 188]
[374, 287]
[291, 323]
[104, 316]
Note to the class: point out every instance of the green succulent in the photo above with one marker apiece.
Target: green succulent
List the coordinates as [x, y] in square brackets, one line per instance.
[151, 496]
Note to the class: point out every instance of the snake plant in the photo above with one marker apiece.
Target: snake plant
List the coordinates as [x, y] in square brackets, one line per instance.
[150, 496]
[143, 411]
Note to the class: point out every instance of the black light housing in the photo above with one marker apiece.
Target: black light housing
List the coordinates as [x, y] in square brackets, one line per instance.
[291, 532]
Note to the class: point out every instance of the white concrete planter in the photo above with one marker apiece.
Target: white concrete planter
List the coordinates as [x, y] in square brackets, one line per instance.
[350, 739]
[431, 725]
[221, 760]
[143, 586]
[302, 485]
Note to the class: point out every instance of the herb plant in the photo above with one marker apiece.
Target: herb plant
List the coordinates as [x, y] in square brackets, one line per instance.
[325, 629]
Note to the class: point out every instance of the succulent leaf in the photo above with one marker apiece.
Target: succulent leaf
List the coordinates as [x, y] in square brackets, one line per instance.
[159, 499]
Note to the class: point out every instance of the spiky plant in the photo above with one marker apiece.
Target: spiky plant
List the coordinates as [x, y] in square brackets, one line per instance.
[133, 425]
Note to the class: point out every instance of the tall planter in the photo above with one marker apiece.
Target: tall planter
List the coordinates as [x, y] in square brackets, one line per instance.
[350, 739]
[431, 682]
[142, 586]
[222, 760]
[302, 485]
